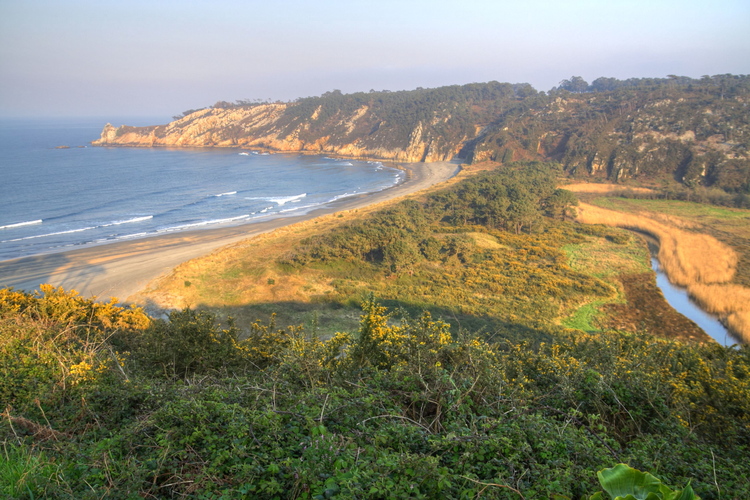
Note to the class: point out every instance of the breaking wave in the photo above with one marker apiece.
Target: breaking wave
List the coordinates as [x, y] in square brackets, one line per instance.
[203, 223]
[279, 200]
[21, 224]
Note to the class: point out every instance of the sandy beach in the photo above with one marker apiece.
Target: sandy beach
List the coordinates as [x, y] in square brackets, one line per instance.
[122, 269]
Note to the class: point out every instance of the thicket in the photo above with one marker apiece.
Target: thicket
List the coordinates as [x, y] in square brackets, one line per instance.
[110, 403]
[514, 198]
[486, 253]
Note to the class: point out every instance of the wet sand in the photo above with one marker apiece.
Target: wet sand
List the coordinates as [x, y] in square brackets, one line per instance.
[122, 269]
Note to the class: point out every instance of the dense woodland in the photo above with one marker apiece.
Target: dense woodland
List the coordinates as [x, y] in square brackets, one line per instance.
[104, 401]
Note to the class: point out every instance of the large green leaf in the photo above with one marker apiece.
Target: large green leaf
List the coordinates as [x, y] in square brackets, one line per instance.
[627, 483]
[686, 494]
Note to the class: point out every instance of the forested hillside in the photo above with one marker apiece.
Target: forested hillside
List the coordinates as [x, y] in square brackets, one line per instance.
[675, 130]
[415, 126]
[695, 132]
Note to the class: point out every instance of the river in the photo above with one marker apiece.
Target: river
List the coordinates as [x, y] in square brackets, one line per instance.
[678, 298]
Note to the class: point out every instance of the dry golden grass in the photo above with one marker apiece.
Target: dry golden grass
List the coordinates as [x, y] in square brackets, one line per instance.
[687, 257]
[740, 322]
[698, 262]
[585, 187]
[483, 240]
[247, 270]
[719, 298]
[673, 220]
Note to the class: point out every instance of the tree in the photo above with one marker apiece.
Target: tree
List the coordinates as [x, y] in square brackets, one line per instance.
[560, 204]
[522, 211]
[604, 84]
[575, 84]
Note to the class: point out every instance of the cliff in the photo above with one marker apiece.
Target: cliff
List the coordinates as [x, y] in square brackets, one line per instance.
[687, 131]
[269, 127]
[696, 134]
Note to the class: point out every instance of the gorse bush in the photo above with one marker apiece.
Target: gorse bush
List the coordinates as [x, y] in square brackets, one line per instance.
[459, 253]
[54, 340]
[398, 409]
[515, 199]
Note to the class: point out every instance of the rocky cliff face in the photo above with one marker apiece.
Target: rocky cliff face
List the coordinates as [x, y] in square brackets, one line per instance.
[269, 127]
[688, 137]
[695, 133]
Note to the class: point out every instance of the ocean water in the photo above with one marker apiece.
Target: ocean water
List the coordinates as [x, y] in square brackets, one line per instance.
[55, 199]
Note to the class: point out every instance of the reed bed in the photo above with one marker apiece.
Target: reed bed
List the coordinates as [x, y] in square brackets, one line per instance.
[718, 298]
[698, 262]
[586, 187]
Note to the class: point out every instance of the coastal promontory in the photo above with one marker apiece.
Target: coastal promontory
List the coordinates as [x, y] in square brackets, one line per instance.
[675, 130]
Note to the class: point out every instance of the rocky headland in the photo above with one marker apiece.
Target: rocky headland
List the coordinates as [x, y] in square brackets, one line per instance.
[265, 127]
[667, 131]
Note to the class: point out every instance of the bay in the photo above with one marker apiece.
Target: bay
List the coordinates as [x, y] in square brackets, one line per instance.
[54, 199]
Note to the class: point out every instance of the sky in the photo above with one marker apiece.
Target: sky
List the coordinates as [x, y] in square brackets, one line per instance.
[162, 57]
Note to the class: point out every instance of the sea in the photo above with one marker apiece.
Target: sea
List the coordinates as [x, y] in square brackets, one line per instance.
[58, 193]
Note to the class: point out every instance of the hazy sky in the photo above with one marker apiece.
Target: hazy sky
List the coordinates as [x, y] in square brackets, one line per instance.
[161, 57]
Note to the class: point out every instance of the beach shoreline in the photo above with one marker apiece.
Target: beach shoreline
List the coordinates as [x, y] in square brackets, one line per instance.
[124, 268]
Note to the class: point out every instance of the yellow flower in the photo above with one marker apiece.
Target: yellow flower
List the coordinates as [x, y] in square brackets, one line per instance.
[81, 372]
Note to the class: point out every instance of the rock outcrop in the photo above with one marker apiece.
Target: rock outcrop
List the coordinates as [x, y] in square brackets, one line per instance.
[267, 127]
[693, 132]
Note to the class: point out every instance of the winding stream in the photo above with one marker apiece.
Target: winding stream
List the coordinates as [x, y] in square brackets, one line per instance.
[678, 298]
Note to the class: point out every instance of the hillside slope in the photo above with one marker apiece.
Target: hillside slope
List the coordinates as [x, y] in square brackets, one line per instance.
[415, 126]
[677, 129]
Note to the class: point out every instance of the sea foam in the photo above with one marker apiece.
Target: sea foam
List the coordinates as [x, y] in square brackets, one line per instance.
[279, 200]
[21, 224]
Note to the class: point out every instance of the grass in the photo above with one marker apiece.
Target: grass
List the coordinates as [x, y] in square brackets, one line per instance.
[484, 240]
[698, 211]
[505, 282]
[586, 187]
[472, 276]
[603, 258]
[606, 260]
[23, 472]
[586, 317]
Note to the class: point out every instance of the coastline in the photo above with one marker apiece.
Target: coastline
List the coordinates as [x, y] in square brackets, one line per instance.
[124, 268]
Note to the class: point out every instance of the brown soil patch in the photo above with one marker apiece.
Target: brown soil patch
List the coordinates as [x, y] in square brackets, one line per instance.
[648, 311]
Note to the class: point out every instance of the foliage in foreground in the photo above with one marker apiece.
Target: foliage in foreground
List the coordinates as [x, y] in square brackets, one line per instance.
[625, 483]
[399, 409]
